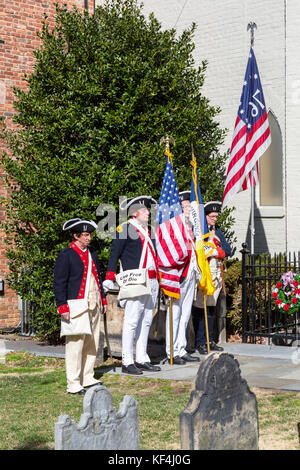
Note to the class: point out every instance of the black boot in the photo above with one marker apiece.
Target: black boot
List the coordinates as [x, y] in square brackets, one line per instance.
[202, 349]
[131, 369]
[214, 347]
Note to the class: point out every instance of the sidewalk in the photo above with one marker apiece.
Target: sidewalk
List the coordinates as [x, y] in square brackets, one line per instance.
[32, 346]
[274, 367]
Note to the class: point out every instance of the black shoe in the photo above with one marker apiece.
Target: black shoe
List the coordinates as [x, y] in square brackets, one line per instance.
[190, 351]
[93, 385]
[214, 347]
[202, 349]
[178, 360]
[81, 392]
[147, 366]
[131, 369]
[189, 358]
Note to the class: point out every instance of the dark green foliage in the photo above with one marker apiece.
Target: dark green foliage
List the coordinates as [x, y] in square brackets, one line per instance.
[104, 90]
[233, 282]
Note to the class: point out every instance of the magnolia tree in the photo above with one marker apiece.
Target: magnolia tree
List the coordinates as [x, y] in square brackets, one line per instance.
[105, 88]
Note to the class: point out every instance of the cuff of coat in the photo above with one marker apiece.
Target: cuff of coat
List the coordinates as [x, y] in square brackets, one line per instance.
[63, 309]
[104, 301]
[110, 275]
[221, 253]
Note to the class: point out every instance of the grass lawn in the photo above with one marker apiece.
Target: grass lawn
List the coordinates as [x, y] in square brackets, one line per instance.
[32, 396]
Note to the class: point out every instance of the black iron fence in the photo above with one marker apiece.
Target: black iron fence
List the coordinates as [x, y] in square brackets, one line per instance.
[261, 320]
[26, 328]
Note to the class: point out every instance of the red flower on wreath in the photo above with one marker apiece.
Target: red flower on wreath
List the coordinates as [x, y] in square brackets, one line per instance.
[286, 293]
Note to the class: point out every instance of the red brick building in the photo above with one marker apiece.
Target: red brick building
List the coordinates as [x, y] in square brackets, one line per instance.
[20, 20]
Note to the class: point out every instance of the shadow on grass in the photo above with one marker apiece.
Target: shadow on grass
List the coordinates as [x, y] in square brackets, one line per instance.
[37, 443]
[101, 370]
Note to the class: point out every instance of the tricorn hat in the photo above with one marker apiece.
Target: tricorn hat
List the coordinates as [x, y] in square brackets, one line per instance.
[184, 196]
[133, 204]
[78, 225]
[212, 206]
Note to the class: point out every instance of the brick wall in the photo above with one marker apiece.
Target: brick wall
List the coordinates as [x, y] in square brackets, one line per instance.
[20, 20]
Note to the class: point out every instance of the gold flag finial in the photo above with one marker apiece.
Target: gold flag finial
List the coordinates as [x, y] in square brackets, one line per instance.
[167, 140]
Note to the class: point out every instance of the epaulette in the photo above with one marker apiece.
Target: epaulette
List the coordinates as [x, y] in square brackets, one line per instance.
[120, 228]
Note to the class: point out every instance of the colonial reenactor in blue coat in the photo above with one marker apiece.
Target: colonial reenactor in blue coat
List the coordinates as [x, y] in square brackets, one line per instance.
[80, 298]
[134, 247]
[221, 250]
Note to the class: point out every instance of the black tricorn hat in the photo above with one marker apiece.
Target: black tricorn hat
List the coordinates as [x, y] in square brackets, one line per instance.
[212, 206]
[133, 204]
[78, 225]
[184, 196]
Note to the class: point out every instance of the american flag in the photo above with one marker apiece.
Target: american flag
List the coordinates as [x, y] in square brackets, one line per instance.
[171, 234]
[251, 135]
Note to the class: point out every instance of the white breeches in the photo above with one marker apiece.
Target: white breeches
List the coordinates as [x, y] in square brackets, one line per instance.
[181, 312]
[80, 352]
[138, 316]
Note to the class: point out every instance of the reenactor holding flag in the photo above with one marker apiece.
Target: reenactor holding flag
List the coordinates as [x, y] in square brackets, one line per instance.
[183, 306]
[221, 250]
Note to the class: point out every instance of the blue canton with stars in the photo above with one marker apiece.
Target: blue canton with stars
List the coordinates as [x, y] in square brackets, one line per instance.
[252, 105]
[169, 204]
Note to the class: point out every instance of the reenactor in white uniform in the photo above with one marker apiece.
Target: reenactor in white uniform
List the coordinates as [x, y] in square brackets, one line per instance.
[133, 242]
[181, 308]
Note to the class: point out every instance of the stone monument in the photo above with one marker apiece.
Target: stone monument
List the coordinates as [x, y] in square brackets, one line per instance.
[2, 352]
[222, 411]
[100, 427]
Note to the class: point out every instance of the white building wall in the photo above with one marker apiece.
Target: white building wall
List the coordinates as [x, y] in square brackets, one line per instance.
[293, 123]
[222, 39]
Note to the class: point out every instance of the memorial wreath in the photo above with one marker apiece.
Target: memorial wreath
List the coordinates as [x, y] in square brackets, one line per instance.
[286, 293]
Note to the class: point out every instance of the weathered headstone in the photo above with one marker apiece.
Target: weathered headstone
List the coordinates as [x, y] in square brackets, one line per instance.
[2, 352]
[222, 411]
[100, 427]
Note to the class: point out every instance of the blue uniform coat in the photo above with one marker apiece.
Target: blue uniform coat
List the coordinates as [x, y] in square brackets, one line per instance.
[69, 272]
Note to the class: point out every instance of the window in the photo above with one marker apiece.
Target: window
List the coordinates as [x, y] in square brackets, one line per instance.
[270, 172]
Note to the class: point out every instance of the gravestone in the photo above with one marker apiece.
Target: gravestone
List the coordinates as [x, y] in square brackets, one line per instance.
[100, 427]
[222, 412]
[2, 352]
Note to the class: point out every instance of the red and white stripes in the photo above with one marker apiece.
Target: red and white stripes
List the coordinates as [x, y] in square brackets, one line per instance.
[246, 149]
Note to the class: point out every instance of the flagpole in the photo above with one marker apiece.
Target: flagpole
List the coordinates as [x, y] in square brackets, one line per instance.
[252, 227]
[171, 330]
[167, 150]
[206, 324]
[252, 26]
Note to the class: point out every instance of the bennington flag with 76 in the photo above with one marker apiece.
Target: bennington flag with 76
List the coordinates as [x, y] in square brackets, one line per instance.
[251, 136]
